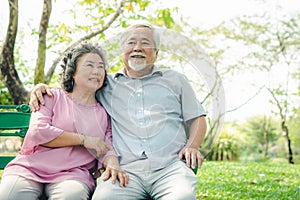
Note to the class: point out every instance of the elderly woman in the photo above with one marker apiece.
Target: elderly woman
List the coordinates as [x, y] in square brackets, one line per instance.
[69, 139]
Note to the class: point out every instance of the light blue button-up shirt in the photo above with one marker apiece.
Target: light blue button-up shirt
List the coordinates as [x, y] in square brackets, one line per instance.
[149, 115]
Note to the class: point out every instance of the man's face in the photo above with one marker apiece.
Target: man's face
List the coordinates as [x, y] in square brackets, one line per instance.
[139, 51]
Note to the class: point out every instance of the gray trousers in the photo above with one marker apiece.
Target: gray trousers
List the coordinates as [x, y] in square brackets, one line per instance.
[175, 182]
[18, 188]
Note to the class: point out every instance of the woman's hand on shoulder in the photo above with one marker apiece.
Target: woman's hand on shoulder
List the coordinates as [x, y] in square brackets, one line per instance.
[36, 96]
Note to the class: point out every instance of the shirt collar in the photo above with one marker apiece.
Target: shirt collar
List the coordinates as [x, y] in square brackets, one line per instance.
[155, 71]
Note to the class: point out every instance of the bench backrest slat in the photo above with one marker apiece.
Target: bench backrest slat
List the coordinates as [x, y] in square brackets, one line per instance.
[14, 121]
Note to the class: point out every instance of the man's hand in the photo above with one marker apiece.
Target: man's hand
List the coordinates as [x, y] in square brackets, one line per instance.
[36, 96]
[113, 170]
[192, 155]
[190, 151]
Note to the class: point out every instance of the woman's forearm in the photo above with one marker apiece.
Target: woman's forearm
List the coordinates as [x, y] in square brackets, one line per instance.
[64, 140]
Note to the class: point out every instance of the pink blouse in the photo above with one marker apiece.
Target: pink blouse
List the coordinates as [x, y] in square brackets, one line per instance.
[52, 165]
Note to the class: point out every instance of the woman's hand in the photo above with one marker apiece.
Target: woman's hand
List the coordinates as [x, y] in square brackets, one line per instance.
[113, 170]
[97, 145]
[36, 96]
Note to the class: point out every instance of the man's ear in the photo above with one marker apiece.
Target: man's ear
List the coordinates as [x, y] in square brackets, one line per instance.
[156, 53]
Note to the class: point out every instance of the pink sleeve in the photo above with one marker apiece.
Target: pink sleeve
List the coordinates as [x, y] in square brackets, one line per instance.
[108, 140]
[40, 128]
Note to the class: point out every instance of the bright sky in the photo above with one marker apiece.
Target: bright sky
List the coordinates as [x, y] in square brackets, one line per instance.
[204, 13]
[212, 12]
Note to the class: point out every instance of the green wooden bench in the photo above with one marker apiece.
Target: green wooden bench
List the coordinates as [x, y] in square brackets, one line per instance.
[14, 122]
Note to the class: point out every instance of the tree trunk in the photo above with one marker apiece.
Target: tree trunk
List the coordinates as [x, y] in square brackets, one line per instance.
[287, 143]
[39, 75]
[7, 65]
[266, 147]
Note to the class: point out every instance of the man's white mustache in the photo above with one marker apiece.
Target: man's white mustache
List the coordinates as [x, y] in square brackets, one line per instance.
[137, 54]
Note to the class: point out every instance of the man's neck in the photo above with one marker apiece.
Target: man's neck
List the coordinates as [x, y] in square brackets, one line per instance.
[138, 74]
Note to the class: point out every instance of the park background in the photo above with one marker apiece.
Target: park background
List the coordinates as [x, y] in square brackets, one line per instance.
[254, 45]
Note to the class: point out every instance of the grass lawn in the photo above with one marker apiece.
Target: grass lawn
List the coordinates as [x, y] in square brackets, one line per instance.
[237, 180]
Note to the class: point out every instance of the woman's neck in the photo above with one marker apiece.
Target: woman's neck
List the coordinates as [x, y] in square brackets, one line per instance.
[83, 97]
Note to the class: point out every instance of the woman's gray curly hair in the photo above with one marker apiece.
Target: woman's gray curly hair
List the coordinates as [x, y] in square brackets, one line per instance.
[69, 63]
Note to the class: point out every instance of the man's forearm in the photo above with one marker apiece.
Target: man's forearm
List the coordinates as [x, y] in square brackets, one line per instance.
[197, 132]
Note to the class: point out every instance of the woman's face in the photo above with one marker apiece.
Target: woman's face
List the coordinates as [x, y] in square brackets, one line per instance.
[90, 72]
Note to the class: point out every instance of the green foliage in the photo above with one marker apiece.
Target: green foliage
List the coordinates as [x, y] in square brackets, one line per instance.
[226, 147]
[117, 66]
[235, 180]
[294, 132]
[55, 81]
[5, 97]
[255, 141]
[86, 2]
[90, 16]
[164, 17]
